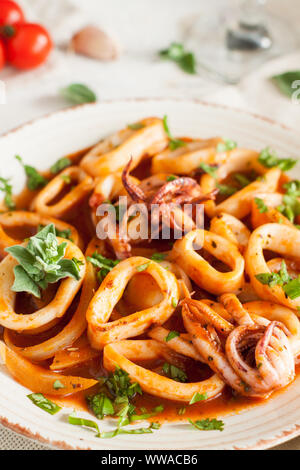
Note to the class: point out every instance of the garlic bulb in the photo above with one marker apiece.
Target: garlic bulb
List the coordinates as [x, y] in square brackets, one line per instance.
[95, 43]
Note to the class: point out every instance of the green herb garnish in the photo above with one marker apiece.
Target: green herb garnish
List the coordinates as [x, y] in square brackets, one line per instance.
[60, 165]
[136, 126]
[42, 402]
[6, 188]
[226, 190]
[174, 372]
[173, 143]
[158, 257]
[209, 169]
[78, 93]
[226, 146]
[285, 81]
[171, 178]
[142, 267]
[208, 424]
[198, 397]
[290, 286]
[105, 265]
[41, 263]
[269, 159]
[34, 179]
[176, 53]
[262, 208]
[57, 385]
[171, 335]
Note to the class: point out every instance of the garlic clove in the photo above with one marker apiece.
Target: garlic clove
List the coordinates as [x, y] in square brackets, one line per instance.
[92, 42]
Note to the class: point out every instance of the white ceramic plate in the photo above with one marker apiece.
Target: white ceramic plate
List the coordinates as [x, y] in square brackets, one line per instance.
[42, 142]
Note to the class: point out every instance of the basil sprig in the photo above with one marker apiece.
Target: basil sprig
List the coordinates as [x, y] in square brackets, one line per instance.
[42, 402]
[78, 93]
[42, 262]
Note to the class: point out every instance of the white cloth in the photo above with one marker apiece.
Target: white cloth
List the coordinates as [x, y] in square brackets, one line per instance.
[142, 28]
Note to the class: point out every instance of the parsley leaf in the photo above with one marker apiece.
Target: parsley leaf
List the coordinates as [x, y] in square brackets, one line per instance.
[34, 179]
[171, 335]
[198, 397]
[136, 126]
[6, 188]
[269, 159]
[60, 165]
[226, 146]
[209, 169]
[173, 143]
[262, 208]
[101, 405]
[208, 424]
[105, 265]
[174, 372]
[290, 286]
[176, 53]
[226, 190]
[41, 262]
[158, 256]
[42, 402]
[142, 267]
[290, 206]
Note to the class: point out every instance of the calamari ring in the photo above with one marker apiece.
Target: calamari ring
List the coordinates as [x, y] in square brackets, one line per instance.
[181, 344]
[272, 215]
[198, 269]
[79, 353]
[122, 353]
[239, 204]
[39, 379]
[23, 218]
[232, 229]
[66, 292]
[112, 154]
[278, 238]
[84, 185]
[259, 310]
[187, 158]
[70, 333]
[101, 331]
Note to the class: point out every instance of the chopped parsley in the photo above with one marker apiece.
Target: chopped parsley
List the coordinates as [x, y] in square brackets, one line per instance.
[174, 372]
[226, 190]
[269, 159]
[60, 165]
[171, 178]
[6, 188]
[171, 335]
[173, 143]
[136, 126]
[198, 397]
[262, 208]
[226, 146]
[34, 179]
[142, 267]
[209, 169]
[290, 286]
[42, 402]
[104, 264]
[290, 206]
[208, 424]
[57, 385]
[158, 257]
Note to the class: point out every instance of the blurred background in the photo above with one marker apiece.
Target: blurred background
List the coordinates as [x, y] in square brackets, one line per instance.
[237, 46]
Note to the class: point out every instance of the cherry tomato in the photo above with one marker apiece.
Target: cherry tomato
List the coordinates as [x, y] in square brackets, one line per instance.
[10, 13]
[2, 55]
[29, 46]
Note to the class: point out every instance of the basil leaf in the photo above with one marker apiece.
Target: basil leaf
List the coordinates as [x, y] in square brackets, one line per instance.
[101, 405]
[73, 419]
[60, 165]
[285, 81]
[78, 93]
[42, 402]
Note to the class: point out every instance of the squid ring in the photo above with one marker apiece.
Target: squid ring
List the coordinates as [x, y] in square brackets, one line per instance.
[66, 292]
[198, 269]
[17, 219]
[84, 185]
[232, 229]
[122, 353]
[274, 237]
[181, 344]
[111, 155]
[101, 331]
[38, 378]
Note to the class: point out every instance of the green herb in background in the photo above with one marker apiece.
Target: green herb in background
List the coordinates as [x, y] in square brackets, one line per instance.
[209, 169]
[6, 188]
[34, 179]
[226, 190]
[176, 53]
[173, 143]
[285, 81]
[42, 402]
[226, 146]
[60, 165]
[77, 93]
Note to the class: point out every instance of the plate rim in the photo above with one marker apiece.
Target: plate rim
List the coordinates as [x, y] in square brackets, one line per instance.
[261, 444]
